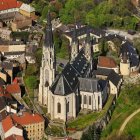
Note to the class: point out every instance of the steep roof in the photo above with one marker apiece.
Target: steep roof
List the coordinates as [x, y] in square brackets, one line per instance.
[13, 88]
[67, 81]
[89, 85]
[27, 118]
[114, 78]
[107, 62]
[7, 123]
[128, 48]
[9, 4]
[102, 71]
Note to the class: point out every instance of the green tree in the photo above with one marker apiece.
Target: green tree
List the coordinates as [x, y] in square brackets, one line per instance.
[31, 82]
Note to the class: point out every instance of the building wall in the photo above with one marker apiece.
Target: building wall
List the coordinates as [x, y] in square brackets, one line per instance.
[3, 76]
[35, 131]
[113, 88]
[16, 48]
[125, 68]
[9, 10]
[96, 100]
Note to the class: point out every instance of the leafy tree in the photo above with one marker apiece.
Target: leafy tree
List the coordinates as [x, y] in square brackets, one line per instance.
[31, 82]
[136, 42]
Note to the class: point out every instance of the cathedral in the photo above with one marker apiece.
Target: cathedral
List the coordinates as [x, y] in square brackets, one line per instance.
[75, 88]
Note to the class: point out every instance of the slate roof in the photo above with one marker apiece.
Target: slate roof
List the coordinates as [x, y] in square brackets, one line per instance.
[67, 81]
[102, 71]
[6, 65]
[114, 78]
[127, 47]
[49, 33]
[14, 53]
[89, 85]
[83, 30]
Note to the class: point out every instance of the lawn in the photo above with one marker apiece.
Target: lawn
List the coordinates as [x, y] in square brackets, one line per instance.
[82, 121]
[127, 102]
[133, 127]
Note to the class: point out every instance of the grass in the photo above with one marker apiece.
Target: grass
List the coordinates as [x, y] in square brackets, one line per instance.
[127, 102]
[55, 131]
[82, 121]
[133, 127]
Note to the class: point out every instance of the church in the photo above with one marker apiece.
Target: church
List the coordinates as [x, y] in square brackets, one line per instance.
[75, 88]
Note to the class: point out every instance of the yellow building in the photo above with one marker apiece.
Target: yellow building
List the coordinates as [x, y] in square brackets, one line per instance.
[33, 123]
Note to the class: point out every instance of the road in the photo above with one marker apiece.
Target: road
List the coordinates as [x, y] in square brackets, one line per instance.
[123, 33]
[127, 120]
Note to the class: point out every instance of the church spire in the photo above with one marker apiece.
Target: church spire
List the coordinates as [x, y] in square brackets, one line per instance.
[49, 33]
[74, 45]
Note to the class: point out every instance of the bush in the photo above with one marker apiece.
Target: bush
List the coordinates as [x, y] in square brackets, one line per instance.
[31, 82]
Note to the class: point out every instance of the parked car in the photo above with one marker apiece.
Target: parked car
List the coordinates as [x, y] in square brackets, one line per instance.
[131, 32]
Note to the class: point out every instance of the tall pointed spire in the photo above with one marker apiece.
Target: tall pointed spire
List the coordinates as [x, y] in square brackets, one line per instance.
[49, 33]
[88, 36]
[74, 37]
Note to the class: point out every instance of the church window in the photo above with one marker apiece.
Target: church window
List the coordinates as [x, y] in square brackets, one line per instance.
[67, 106]
[58, 108]
[98, 100]
[89, 100]
[85, 99]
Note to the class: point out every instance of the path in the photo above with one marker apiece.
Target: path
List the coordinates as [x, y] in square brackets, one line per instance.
[127, 120]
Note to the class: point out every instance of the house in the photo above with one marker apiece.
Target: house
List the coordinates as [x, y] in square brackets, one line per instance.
[33, 123]
[8, 127]
[27, 10]
[14, 90]
[8, 6]
[107, 63]
[7, 103]
[129, 59]
[113, 78]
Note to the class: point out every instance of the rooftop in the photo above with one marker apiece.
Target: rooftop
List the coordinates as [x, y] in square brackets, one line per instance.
[107, 62]
[9, 4]
[14, 137]
[13, 88]
[27, 118]
[27, 8]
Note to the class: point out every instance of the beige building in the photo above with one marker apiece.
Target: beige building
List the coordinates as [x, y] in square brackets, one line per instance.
[33, 123]
[27, 10]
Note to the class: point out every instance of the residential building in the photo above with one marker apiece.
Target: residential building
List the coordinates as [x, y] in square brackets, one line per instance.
[8, 127]
[32, 123]
[107, 63]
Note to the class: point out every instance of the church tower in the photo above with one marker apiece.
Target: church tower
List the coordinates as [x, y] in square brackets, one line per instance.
[47, 70]
[125, 64]
[74, 45]
[87, 49]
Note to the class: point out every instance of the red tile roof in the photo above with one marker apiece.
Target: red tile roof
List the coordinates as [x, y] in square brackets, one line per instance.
[27, 118]
[14, 137]
[107, 62]
[7, 123]
[9, 4]
[13, 88]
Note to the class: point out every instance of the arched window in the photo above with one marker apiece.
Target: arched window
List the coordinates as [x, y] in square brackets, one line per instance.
[85, 99]
[89, 100]
[58, 108]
